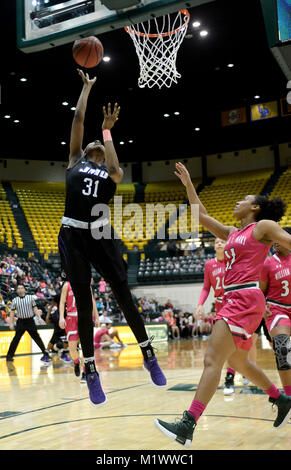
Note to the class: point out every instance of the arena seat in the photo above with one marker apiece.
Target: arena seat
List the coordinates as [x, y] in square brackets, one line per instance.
[161, 269]
[220, 197]
[9, 232]
[43, 204]
[168, 193]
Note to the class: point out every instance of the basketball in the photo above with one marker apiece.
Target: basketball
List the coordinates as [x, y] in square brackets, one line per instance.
[88, 52]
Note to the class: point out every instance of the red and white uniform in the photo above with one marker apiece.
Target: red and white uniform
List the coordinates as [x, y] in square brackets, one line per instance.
[213, 277]
[243, 303]
[98, 336]
[277, 273]
[72, 316]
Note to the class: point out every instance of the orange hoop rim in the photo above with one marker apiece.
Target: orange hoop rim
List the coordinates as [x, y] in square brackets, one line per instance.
[185, 12]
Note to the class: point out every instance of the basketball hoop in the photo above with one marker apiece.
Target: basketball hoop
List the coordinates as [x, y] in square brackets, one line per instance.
[157, 42]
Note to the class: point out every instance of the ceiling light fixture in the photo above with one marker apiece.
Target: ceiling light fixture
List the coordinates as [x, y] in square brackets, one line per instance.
[196, 24]
[203, 33]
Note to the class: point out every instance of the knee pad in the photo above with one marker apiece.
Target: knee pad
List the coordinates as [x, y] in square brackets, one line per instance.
[282, 349]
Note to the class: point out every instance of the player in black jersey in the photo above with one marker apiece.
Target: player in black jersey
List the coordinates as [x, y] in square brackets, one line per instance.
[91, 179]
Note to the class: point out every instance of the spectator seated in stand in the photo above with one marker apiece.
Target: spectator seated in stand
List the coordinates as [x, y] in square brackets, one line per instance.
[202, 327]
[99, 305]
[168, 316]
[33, 258]
[182, 324]
[104, 318]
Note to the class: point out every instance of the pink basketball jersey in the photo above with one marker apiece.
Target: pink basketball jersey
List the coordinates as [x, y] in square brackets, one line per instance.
[277, 273]
[244, 256]
[70, 301]
[214, 271]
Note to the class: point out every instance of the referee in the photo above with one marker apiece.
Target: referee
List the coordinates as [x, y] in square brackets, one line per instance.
[25, 307]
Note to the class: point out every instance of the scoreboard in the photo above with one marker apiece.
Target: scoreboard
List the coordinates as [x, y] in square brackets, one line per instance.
[277, 17]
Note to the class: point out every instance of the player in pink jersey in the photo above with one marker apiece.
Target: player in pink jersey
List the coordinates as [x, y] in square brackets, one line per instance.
[243, 303]
[70, 323]
[104, 338]
[276, 284]
[213, 278]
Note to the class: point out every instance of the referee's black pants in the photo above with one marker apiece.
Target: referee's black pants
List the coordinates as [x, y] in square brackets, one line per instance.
[23, 325]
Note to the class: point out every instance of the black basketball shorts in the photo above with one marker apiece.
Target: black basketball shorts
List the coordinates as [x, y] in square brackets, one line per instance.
[79, 250]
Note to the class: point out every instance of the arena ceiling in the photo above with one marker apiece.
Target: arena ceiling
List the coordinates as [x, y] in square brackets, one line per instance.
[236, 35]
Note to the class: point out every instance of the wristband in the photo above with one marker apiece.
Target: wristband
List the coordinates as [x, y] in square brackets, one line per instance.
[107, 135]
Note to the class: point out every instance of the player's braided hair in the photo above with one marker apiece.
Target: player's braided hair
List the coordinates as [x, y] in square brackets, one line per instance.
[272, 209]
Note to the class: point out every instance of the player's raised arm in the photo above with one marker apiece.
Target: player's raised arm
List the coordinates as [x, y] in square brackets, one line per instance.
[268, 231]
[204, 293]
[47, 318]
[77, 130]
[62, 304]
[213, 225]
[111, 159]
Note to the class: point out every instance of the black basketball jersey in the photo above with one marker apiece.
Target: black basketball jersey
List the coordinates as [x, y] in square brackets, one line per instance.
[87, 184]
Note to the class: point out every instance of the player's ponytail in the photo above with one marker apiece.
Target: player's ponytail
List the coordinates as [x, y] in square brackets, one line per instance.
[272, 209]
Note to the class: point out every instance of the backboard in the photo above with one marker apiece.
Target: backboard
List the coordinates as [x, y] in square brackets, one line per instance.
[42, 24]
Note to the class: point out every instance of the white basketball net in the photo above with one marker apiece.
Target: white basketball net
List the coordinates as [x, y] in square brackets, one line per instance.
[157, 42]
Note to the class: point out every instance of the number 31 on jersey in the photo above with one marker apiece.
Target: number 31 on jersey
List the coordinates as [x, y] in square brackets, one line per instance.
[90, 187]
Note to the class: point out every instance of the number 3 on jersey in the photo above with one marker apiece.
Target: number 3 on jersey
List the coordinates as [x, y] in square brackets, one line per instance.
[285, 286]
[231, 259]
[89, 186]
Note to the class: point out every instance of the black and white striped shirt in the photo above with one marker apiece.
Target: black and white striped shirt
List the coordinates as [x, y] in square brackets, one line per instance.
[24, 306]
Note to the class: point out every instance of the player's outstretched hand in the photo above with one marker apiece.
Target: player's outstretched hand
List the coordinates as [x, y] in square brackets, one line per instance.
[110, 117]
[182, 173]
[86, 79]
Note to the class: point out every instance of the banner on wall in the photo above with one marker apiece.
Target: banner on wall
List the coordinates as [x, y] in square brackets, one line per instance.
[27, 346]
[24, 346]
[233, 117]
[159, 331]
[262, 111]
